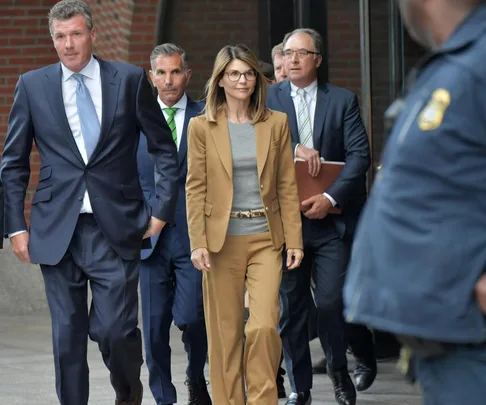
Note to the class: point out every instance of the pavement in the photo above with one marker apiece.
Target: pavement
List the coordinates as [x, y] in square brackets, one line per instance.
[27, 372]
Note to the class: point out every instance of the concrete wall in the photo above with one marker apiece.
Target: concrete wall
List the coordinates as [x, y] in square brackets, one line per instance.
[21, 286]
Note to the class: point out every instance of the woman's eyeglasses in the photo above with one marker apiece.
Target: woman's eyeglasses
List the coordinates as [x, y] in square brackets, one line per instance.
[235, 76]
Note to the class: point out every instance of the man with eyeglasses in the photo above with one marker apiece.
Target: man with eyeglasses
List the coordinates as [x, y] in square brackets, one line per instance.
[325, 123]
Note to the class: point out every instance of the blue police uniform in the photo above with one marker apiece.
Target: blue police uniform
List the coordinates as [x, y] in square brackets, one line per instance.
[421, 242]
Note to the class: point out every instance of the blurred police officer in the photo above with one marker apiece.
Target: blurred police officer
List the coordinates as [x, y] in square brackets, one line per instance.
[419, 258]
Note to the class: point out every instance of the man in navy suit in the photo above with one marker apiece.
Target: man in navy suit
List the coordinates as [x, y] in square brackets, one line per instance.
[325, 123]
[88, 216]
[170, 286]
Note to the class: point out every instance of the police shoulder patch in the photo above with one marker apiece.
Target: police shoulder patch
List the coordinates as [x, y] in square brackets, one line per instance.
[433, 113]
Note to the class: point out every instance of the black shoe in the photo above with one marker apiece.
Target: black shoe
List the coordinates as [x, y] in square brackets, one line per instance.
[280, 383]
[303, 398]
[198, 392]
[344, 390]
[364, 374]
[320, 367]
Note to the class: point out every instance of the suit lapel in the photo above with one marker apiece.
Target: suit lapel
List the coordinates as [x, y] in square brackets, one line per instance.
[221, 139]
[53, 90]
[191, 111]
[289, 109]
[322, 102]
[110, 86]
[263, 137]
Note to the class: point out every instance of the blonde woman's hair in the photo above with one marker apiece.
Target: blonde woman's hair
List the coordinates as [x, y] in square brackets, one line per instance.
[215, 96]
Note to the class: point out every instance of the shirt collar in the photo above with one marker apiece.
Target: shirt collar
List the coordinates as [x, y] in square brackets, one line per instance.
[180, 105]
[310, 90]
[88, 71]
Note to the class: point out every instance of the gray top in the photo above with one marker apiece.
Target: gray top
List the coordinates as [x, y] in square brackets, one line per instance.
[246, 185]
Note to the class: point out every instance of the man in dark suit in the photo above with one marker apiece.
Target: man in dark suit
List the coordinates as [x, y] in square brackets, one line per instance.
[325, 122]
[88, 215]
[171, 287]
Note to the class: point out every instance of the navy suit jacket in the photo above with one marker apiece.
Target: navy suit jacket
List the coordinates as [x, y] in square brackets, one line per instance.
[110, 176]
[146, 174]
[338, 135]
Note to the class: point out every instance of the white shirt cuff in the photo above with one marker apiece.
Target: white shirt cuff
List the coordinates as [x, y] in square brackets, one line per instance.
[11, 235]
[333, 201]
[295, 150]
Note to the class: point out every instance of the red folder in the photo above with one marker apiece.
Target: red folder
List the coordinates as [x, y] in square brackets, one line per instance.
[309, 186]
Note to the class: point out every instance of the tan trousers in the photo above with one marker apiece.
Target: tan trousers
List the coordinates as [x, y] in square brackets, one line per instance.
[232, 363]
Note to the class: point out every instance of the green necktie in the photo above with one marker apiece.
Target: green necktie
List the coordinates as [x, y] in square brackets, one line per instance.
[171, 121]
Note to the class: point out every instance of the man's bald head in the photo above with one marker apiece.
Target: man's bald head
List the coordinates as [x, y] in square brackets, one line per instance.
[432, 22]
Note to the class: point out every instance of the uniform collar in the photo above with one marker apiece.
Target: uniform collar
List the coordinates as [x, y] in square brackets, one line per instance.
[468, 31]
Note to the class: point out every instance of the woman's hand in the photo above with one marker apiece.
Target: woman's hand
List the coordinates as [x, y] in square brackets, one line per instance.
[294, 258]
[200, 259]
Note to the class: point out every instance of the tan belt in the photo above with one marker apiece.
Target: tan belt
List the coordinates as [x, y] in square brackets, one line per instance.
[248, 214]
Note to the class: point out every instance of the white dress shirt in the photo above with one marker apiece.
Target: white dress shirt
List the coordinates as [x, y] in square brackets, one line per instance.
[311, 100]
[92, 79]
[179, 116]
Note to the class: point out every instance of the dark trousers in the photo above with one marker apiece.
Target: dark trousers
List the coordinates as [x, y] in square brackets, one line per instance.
[111, 320]
[329, 254]
[171, 290]
[457, 378]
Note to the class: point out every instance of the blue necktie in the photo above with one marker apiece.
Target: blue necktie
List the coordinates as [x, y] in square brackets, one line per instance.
[90, 125]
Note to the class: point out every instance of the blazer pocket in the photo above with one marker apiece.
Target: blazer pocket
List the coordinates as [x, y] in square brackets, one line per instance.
[132, 193]
[42, 195]
[45, 172]
[275, 205]
[208, 208]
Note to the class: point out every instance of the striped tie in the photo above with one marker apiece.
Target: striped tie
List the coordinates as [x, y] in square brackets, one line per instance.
[305, 128]
[171, 121]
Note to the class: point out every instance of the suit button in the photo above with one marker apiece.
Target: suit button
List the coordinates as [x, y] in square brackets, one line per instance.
[261, 185]
[266, 208]
[80, 198]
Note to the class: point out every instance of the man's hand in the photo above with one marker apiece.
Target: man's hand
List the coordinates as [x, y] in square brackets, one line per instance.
[294, 258]
[316, 207]
[154, 227]
[20, 246]
[480, 290]
[312, 157]
[200, 259]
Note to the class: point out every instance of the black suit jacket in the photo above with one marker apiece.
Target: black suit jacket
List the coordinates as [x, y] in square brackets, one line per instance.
[110, 176]
[338, 135]
[146, 173]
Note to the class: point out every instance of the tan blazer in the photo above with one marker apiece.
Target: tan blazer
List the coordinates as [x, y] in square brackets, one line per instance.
[209, 184]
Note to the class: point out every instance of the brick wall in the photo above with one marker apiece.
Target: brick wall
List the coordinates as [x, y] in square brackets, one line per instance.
[345, 58]
[127, 29]
[25, 45]
[203, 27]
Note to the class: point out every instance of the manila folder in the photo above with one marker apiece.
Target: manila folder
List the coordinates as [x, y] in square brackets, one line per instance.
[309, 186]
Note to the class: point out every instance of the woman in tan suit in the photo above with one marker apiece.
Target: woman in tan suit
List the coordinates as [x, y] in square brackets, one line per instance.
[242, 207]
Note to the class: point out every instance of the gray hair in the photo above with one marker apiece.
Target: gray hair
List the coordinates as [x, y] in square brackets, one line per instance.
[315, 36]
[169, 49]
[277, 50]
[67, 9]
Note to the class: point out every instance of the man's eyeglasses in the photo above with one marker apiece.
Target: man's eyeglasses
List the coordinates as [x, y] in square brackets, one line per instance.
[301, 53]
[235, 76]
